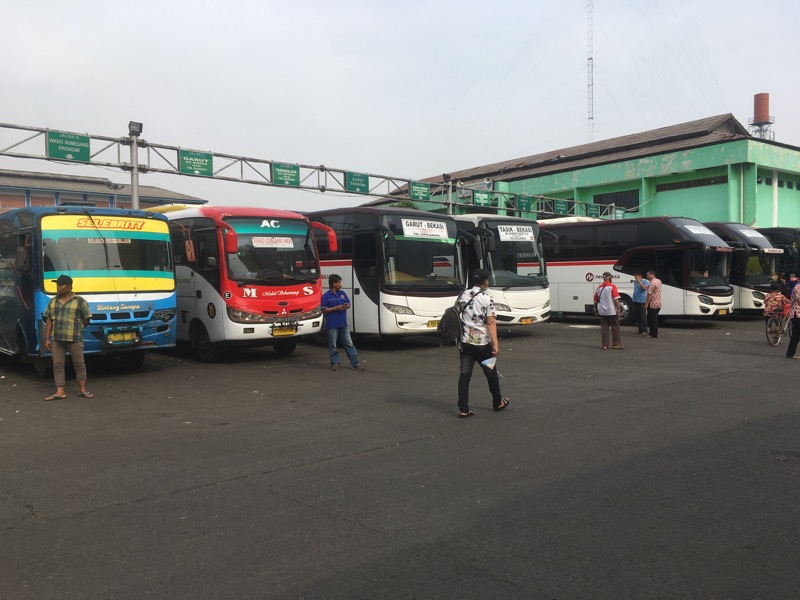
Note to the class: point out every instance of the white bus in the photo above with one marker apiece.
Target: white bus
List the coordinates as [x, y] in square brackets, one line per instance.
[691, 261]
[754, 265]
[400, 267]
[508, 248]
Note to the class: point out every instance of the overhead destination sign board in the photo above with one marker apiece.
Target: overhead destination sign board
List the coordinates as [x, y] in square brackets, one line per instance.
[481, 198]
[593, 210]
[68, 146]
[561, 207]
[283, 174]
[524, 203]
[420, 191]
[356, 182]
[195, 163]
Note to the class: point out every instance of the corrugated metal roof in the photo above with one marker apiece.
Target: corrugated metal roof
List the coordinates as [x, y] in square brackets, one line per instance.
[54, 182]
[694, 134]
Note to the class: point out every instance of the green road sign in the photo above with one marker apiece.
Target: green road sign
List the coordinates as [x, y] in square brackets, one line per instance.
[420, 191]
[195, 163]
[481, 198]
[356, 182]
[561, 207]
[283, 174]
[593, 210]
[68, 146]
[619, 213]
[524, 203]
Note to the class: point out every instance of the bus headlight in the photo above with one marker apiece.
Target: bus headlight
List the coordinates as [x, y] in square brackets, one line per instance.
[311, 314]
[758, 295]
[242, 316]
[546, 304]
[705, 300]
[397, 309]
[503, 307]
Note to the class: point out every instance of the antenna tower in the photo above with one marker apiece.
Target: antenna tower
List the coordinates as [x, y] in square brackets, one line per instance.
[590, 66]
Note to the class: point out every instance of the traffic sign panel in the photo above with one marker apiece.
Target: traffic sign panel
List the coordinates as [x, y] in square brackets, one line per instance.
[420, 191]
[195, 163]
[481, 198]
[356, 182]
[283, 174]
[68, 146]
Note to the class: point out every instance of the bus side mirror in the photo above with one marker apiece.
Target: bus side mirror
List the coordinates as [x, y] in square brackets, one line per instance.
[391, 246]
[333, 246]
[23, 259]
[188, 246]
[231, 241]
[491, 243]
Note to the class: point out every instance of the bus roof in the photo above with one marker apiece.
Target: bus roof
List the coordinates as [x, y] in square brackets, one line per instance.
[476, 218]
[220, 212]
[381, 210]
[739, 232]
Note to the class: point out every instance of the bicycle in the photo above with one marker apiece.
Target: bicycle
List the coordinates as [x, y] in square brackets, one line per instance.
[777, 327]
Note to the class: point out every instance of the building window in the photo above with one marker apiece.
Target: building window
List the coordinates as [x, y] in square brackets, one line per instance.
[629, 200]
[691, 183]
[780, 182]
[768, 181]
[790, 184]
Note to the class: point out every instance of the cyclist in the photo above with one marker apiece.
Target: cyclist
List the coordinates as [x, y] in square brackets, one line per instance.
[774, 302]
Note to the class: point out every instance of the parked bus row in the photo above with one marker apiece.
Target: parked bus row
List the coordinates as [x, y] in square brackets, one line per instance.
[221, 276]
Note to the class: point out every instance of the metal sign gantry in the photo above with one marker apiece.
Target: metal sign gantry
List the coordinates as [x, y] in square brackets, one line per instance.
[149, 157]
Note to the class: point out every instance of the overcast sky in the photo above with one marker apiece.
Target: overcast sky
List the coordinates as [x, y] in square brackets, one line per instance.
[400, 88]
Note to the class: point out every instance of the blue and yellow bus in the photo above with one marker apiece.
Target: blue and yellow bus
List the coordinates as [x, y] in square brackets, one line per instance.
[120, 262]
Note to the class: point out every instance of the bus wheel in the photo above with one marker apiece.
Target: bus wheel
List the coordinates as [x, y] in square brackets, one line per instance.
[42, 366]
[285, 347]
[626, 314]
[131, 361]
[206, 351]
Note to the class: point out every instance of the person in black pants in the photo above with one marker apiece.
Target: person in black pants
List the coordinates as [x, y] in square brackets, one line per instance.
[794, 315]
[478, 343]
[653, 303]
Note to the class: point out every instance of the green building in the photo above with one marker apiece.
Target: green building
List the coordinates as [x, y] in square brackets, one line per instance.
[711, 170]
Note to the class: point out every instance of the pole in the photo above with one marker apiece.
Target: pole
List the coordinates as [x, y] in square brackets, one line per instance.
[450, 197]
[134, 173]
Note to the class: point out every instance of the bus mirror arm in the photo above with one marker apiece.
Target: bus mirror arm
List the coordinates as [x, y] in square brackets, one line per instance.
[333, 245]
[552, 235]
[389, 241]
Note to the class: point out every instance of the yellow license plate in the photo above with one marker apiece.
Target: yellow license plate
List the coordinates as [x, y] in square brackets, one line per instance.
[723, 311]
[126, 336]
[526, 321]
[433, 324]
[286, 330]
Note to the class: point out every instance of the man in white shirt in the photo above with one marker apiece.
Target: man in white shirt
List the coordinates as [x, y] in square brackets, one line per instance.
[479, 342]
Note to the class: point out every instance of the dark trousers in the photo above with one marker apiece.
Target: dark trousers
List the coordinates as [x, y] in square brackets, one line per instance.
[794, 337]
[652, 320]
[469, 355]
[640, 316]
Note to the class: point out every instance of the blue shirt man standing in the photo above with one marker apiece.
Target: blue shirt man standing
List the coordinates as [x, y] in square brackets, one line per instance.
[334, 306]
[639, 299]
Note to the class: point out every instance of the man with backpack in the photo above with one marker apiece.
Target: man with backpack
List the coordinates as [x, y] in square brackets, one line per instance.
[478, 343]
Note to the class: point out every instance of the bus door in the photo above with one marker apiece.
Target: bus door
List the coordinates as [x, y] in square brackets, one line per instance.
[9, 308]
[668, 265]
[364, 290]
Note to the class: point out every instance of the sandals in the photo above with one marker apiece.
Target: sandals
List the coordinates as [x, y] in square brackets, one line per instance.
[505, 403]
[464, 415]
[55, 397]
[86, 394]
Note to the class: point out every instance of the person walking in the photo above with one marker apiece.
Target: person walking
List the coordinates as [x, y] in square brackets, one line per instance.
[639, 299]
[478, 343]
[794, 315]
[66, 316]
[606, 306]
[334, 306]
[653, 302]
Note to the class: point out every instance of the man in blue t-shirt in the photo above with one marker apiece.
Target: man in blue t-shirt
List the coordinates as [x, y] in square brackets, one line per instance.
[334, 306]
[639, 299]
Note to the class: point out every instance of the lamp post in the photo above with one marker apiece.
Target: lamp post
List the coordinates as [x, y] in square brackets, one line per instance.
[134, 130]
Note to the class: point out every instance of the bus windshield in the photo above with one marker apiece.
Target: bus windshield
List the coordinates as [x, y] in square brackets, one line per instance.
[761, 269]
[424, 256]
[515, 260]
[272, 252]
[708, 269]
[107, 259]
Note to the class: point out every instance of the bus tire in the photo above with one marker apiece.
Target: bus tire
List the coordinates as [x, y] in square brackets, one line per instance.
[626, 314]
[42, 366]
[205, 350]
[284, 347]
[132, 360]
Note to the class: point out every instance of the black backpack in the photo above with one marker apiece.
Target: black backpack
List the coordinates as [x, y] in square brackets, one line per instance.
[449, 328]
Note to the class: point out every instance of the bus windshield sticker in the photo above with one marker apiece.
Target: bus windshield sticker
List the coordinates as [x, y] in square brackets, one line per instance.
[109, 240]
[699, 229]
[424, 228]
[752, 233]
[515, 233]
[272, 242]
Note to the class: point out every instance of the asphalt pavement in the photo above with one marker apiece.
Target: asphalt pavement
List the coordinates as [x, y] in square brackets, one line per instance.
[668, 469]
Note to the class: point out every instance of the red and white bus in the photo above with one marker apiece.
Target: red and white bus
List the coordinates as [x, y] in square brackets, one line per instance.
[692, 262]
[245, 276]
